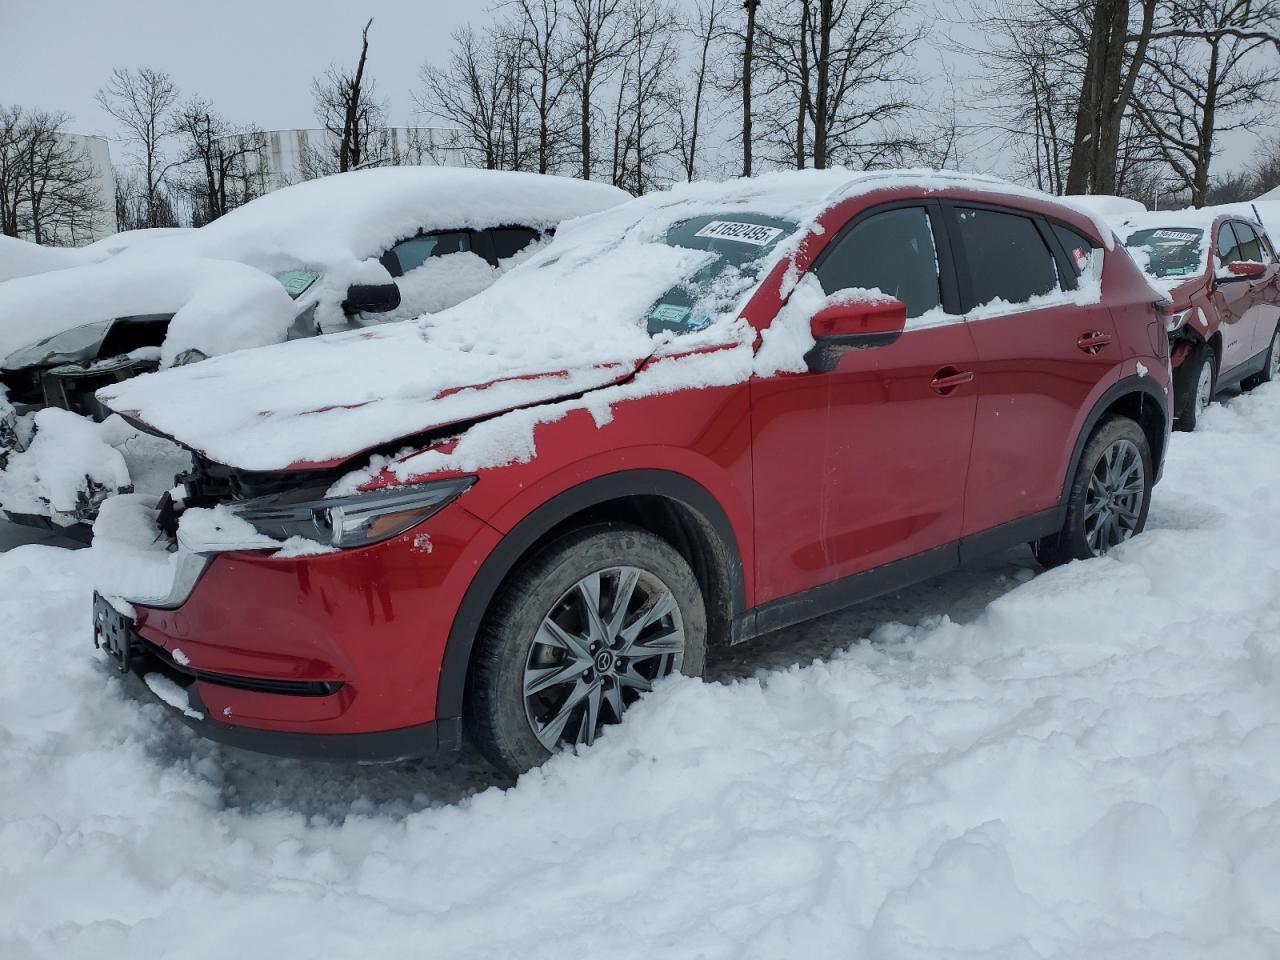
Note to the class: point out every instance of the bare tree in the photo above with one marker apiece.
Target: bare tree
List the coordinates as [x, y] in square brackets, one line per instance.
[1210, 70]
[1266, 166]
[227, 161]
[838, 76]
[596, 38]
[748, 64]
[48, 184]
[647, 109]
[1117, 52]
[708, 31]
[348, 108]
[543, 77]
[142, 102]
[1027, 78]
[476, 91]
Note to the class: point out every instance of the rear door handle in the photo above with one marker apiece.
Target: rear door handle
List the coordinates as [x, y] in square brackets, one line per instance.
[1094, 341]
[947, 379]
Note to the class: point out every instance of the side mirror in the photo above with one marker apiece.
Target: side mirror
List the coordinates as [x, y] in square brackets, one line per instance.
[853, 325]
[371, 298]
[1246, 269]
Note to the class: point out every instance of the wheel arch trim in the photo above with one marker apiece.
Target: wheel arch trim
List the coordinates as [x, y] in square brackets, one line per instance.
[1127, 386]
[520, 538]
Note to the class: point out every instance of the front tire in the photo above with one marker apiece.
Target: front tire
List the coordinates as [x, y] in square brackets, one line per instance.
[1109, 497]
[1194, 384]
[575, 636]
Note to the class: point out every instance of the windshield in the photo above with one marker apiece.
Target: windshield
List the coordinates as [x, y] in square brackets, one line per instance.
[741, 242]
[296, 282]
[1170, 251]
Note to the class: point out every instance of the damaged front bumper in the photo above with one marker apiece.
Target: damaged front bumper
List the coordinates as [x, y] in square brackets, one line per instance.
[156, 675]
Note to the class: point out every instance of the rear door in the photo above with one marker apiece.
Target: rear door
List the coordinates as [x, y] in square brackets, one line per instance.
[865, 464]
[1046, 349]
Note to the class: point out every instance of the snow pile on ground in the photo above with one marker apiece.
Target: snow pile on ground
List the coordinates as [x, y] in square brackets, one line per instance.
[67, 458]
[69, 455]
[217, 305]
[1087, 769]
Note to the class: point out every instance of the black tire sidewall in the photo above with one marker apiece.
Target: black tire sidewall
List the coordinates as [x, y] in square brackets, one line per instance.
[495, 710]
[1186, 413]
[1072, 542]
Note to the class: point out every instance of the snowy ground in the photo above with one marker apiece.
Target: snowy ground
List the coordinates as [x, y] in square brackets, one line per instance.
[1081, 764]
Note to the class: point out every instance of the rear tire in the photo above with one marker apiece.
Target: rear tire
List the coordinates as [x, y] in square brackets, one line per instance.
[1109, 496]
[548, 672]
[1270, 370]
[1194, 384]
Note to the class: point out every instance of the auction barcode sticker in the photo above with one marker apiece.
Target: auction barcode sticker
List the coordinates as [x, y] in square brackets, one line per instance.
[1186, 235]
[753, 233]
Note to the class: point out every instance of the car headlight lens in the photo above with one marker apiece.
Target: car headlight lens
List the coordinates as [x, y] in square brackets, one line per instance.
[353, 521]
[70, 346]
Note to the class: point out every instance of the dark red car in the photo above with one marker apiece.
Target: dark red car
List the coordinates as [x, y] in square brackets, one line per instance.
[1222, 279]
[718, 410]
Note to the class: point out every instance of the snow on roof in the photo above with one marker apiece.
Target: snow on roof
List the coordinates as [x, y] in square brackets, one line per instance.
[22, 258]
[576, 305]
[354, 216]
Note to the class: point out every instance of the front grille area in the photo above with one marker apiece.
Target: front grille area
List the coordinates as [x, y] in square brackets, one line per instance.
[186, 675]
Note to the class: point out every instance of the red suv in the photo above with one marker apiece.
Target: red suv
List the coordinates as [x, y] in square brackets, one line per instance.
[1223, 283]
[702, 416]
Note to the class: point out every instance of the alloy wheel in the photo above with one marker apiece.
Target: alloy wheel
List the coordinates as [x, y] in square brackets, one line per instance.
[605, 641]
[1113, 500]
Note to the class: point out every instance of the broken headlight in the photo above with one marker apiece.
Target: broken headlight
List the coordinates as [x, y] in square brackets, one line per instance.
[352, 521]
[71, 346]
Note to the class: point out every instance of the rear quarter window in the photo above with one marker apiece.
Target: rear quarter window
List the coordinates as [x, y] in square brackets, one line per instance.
[1082, 254]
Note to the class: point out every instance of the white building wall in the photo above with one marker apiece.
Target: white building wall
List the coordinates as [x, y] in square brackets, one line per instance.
[286, 151]
[98, 150]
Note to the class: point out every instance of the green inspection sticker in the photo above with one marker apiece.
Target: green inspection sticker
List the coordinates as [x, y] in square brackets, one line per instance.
[669, 313]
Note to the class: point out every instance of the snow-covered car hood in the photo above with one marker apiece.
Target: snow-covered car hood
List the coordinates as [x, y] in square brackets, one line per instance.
[217, 305]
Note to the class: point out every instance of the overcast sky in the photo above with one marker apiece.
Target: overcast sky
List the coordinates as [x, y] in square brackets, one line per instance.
[254, 59]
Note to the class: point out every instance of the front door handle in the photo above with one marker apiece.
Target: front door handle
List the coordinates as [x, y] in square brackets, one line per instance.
[1093, 341]
[947, 379]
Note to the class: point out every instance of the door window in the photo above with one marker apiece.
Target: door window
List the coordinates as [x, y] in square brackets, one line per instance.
[1247, 243]
[1008, 259]
[892, 252]
[1228, 245]
[414, 252]
[508, 241]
